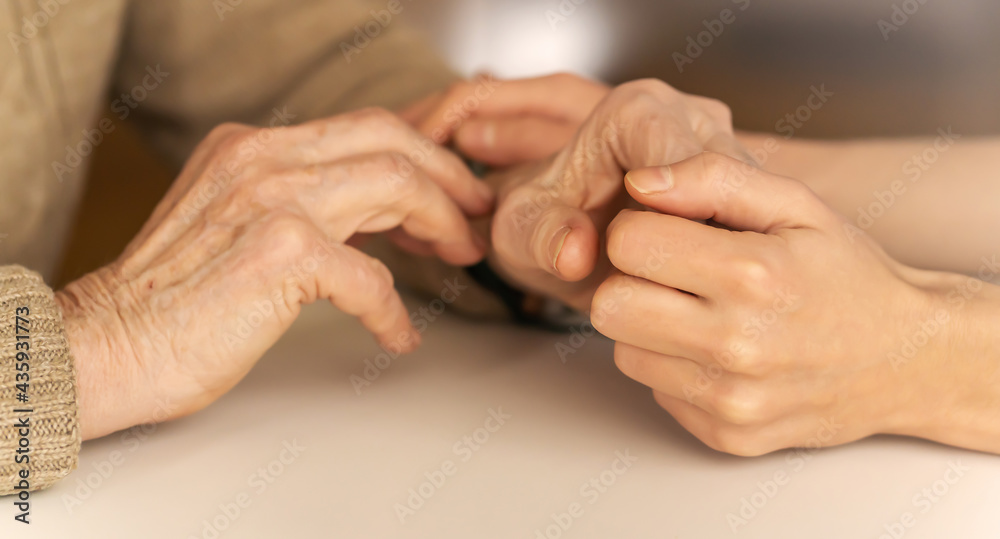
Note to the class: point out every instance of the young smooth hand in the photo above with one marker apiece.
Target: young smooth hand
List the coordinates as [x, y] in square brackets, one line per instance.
[787, 326]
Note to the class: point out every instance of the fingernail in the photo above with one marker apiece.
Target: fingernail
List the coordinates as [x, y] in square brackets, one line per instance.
[557, 245]
[651, 180]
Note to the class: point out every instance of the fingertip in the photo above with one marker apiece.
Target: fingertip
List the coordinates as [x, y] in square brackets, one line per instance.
[649, 181]
[573, 254]
[464, 253]
[459, 254]
[474, 196]
[556, 245]
[401, 337]
[405, 341]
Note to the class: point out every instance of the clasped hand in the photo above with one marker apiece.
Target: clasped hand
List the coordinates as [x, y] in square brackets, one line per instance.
[760, 317]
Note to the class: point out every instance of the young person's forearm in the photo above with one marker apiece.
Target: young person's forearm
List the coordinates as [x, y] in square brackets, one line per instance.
[952, 381]
[931, 202]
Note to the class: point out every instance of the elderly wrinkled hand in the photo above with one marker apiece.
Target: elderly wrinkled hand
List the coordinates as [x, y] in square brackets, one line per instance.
[508, 122]
[257, 225]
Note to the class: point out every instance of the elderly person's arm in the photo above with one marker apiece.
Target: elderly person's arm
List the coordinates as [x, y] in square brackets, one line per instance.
[241, 241]
[274, 204]
[41, 435]
[251, 202]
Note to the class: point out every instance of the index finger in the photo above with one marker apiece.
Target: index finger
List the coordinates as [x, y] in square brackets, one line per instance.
[559, 97]
[372, 131]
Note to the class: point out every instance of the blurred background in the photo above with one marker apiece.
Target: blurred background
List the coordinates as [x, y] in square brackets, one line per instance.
[894, 67]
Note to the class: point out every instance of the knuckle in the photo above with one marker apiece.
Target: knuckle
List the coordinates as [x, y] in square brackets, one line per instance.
[265, 183]
[242, 194]
[633, 101]
[377, 118]
[637, 109]
[737, 402]
[228, 129]
[716, 168]
[757, 280]
[754, 275]
[803, 197]
[378, 282]
[406, 183]
[265, 135]
[739, 354]
[240, 135]
[287, 237]
[642, 97]
[646, 110]
[237, 144]
[718, 110]
[231, 198]
[396, 170]
[263, 188]
[649, 87]
[396, 163]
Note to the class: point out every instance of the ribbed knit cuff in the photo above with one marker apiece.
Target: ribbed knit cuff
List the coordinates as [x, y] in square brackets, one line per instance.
[47, 403]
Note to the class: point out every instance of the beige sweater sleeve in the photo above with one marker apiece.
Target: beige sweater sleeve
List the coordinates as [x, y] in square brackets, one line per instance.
[188, 66]
[39, 436]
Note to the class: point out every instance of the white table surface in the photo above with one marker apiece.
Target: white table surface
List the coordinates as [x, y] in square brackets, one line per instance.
[363, 453]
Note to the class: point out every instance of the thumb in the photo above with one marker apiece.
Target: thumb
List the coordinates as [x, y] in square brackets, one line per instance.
[729, 192]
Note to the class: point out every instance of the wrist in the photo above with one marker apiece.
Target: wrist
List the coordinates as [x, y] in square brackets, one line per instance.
[952, 385]
[105, 369]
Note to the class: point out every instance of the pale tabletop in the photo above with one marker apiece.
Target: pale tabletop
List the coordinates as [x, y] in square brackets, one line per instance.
[582, 452]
